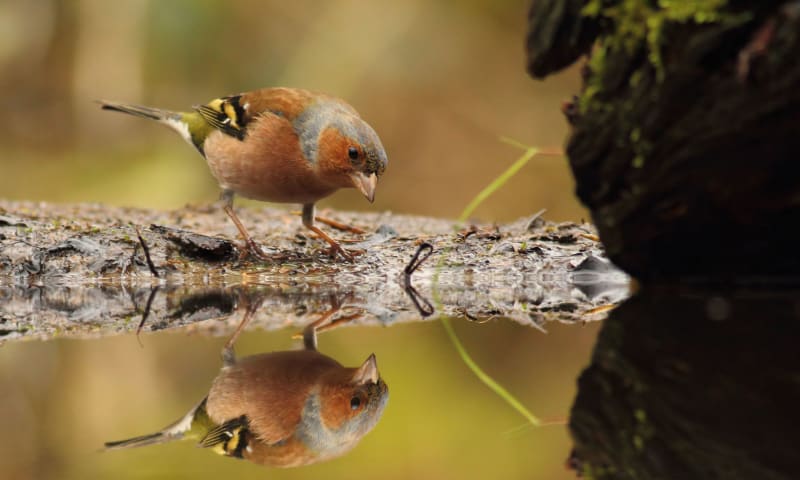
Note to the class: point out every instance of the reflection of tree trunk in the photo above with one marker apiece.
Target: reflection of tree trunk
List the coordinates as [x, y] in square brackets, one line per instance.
[686, 145]
[81, 268]
[692, 386]
[686, 148]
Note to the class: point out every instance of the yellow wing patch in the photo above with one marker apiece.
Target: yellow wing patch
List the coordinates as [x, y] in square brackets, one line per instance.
[228, 439]
[226, 115]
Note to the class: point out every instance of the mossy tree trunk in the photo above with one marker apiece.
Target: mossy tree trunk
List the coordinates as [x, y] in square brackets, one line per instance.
[685, 143]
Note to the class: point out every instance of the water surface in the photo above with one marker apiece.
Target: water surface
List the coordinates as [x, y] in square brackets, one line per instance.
[64, 398]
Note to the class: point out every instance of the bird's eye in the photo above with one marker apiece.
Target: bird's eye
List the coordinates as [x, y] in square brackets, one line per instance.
[355, 402]
[352, 152]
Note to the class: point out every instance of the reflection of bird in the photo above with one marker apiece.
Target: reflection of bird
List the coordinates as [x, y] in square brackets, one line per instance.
[279, 145]
[282, 409]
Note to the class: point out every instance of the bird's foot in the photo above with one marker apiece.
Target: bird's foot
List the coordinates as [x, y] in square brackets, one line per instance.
[344, 227]
[340, 226]
[335, 248]
[327, 321]
[251, 250]
[349, 255]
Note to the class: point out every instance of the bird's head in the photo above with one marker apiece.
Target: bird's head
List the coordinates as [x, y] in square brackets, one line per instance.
[351, 154]
[348, 405]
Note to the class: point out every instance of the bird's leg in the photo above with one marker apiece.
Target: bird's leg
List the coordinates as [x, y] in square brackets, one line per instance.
[335, 224]
[308, 221]
[228, 355]
[310, 332]
[324, 323]
[250, 246]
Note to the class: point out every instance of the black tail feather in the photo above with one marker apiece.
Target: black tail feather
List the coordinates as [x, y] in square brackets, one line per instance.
[136, 110]
[141, 441]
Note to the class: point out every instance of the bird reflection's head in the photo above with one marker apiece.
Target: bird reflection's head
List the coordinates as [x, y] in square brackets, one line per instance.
[346, 407]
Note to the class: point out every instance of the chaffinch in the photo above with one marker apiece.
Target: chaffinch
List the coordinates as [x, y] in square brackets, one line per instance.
[282, 409]
[282, 145]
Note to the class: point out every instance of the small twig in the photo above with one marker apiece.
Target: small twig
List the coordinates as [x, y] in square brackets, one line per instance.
[146, 314]
[600, 309]
[536, 216]
[423, 306]
[416, 261]
[473, 318]
[131, 261]
[465, 233]
[491, 233]
[146, 249]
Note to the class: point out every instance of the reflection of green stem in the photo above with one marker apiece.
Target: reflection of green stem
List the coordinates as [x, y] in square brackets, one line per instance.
[530, 152]
[485, 378]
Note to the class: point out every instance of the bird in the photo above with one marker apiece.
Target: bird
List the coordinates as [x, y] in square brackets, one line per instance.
[280, 409]
[285, 145]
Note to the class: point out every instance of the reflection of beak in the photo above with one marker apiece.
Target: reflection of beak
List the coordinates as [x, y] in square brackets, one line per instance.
[368, 372]
[365, 184]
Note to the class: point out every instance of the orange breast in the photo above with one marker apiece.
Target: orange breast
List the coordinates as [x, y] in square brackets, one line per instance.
[268, 165]
[291, 453]
[270, 389]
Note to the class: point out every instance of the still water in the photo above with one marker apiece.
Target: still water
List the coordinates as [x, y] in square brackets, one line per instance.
[677, 382]
[526, 303]
[680, 381]
[63, 399]
[700, 382]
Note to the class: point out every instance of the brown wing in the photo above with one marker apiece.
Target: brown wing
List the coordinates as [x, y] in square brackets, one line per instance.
[231, 115]
[269, 390]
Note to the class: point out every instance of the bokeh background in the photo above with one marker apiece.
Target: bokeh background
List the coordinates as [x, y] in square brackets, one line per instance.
[440, 81]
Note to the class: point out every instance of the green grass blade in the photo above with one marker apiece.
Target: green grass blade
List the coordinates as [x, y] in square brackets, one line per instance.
[485, 378]
[498, 182]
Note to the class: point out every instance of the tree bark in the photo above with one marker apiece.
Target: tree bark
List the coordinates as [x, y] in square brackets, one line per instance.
[685, 144]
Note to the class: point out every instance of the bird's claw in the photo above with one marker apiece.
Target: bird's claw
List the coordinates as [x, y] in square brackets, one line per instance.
[348, 255]
[252, 250]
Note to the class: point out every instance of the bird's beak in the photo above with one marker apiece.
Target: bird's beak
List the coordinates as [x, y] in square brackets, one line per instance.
[368, 372]
[365, 184]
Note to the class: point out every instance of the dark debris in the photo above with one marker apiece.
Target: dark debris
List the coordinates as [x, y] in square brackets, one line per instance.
[197, 246]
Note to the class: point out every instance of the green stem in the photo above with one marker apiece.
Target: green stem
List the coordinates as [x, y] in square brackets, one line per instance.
[485, 378]
[498, 182]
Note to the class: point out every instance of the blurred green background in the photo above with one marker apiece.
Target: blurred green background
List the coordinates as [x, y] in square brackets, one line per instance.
[440, 82]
